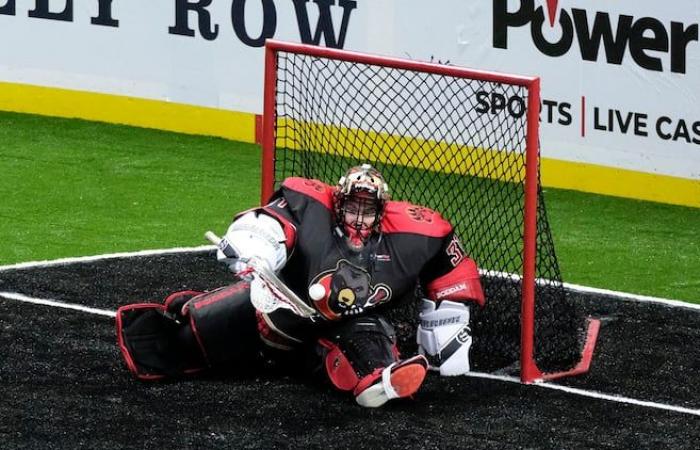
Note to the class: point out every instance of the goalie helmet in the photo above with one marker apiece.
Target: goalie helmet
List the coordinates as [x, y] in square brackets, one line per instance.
[360, 198]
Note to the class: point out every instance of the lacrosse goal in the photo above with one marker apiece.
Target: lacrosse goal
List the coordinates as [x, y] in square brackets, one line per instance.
[462, 142]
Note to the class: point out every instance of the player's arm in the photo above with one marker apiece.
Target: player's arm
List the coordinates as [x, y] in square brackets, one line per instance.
[267, 234]
[451, 285]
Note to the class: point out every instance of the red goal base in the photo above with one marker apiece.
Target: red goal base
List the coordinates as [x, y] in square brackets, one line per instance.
[534, 375]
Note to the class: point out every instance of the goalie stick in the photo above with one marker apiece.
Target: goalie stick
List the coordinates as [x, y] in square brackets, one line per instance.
[278, 295]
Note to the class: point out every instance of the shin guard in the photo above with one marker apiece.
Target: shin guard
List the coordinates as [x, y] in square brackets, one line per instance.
[155, 345]
[225, 325]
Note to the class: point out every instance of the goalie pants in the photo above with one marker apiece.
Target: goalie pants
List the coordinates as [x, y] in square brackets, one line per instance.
[194, 331]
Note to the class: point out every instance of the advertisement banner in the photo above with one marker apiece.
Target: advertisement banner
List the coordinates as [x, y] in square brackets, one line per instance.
[620, 80]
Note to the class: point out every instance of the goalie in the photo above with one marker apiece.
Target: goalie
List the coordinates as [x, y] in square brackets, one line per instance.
[349, 254]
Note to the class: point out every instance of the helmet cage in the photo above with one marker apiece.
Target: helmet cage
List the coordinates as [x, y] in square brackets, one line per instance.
[361, 189]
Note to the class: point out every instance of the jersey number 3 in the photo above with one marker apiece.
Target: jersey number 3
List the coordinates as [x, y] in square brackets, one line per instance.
[455, 251]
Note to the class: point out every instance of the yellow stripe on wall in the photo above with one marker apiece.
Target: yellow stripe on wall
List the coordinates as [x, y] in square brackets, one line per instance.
[419, 153]
[128, 111]
[240, 126]
[620, 182]
[490, 163]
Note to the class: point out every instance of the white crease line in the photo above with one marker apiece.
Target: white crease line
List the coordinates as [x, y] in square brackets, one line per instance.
[591, 394]
[570, 390]
[591, 290]
[631, 297]
[57, 304]
[203, 248]
[82, 259]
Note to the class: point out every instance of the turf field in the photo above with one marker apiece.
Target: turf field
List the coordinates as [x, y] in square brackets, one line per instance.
[65, 385]
[72, 188]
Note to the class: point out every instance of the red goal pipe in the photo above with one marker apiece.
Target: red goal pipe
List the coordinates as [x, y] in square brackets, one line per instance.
[397, 63]
[272, 47]
[528, 368]
[268, 126]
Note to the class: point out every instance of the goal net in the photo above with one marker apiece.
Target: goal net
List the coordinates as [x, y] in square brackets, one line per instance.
[461, 142]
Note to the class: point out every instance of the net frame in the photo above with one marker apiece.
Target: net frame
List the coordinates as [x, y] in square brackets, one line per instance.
[529, 372]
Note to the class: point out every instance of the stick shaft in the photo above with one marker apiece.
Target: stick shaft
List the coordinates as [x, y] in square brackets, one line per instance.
[300, 307]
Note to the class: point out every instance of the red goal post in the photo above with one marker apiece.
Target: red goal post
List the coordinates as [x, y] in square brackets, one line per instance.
[529, 370]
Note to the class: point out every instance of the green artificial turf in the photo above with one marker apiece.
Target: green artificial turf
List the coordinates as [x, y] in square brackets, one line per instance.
[627, 245]
[73, 188]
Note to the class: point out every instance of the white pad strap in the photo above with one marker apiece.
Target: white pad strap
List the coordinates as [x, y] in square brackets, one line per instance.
[386, 382]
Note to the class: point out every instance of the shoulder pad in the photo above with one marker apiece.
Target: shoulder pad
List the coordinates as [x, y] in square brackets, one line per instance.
[317, 190]
[404, 217]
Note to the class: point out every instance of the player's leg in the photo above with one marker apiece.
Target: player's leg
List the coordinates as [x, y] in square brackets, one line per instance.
[153, 345]
[361, 356]
[189, 333]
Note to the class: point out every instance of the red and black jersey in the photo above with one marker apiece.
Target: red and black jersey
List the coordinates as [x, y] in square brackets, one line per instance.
[415, 245]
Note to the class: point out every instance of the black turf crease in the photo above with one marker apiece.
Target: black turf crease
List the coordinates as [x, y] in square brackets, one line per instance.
[64, 384]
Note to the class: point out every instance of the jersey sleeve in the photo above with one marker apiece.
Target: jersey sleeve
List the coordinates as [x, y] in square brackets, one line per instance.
[278, 208]
[290, 203]
[452, 274]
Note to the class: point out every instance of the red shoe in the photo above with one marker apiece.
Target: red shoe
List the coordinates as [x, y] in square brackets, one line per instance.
[399, 380]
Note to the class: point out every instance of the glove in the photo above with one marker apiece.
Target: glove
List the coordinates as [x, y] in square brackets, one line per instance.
[240, 268]
[254, 236]
[228, 255]
[444, 336]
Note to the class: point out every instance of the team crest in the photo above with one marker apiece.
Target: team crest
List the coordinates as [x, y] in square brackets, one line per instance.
[315, 185]
[420, 213]
[348, 291]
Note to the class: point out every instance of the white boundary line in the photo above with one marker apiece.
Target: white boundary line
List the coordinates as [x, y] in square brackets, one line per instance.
[591, 394]
[57, 304]
[632, 297]
[203, 248]
[569, 390]
[590, 290]
[84, 259]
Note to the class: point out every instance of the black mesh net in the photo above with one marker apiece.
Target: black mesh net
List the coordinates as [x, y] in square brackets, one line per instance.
[456, 145]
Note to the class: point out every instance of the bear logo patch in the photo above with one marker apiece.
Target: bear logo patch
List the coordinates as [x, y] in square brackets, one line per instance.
[348, 291]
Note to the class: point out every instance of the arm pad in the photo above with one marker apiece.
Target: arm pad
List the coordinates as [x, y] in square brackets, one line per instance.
[256, 235]
[444, 336]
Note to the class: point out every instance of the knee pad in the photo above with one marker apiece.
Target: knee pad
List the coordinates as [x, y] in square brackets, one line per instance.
[444, 336]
